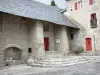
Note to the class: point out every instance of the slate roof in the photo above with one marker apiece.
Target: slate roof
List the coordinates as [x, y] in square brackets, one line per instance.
[35, 10]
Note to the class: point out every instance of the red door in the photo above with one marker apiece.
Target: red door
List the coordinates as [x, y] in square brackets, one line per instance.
[46, 43]
[88, 44]
[76, 6]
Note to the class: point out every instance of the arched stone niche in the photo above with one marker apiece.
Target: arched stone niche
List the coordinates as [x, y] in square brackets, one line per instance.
[12, 51]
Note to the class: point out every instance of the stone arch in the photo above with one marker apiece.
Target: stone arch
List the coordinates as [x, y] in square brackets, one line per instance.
[12, 45]
[12, 52]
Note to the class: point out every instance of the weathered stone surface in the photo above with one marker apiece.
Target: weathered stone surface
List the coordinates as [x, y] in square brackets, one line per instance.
[61, 35]
[30, 61]
[81, 16]
[79, 69]
[14, 33]
[64, 62]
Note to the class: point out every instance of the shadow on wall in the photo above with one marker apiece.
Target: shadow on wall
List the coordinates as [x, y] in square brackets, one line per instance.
[12, 52]
[76, 49]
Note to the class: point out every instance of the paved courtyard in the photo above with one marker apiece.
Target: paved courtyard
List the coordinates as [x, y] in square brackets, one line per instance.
[92, 68]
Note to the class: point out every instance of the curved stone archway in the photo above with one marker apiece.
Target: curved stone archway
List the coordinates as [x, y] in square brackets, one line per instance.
[12, 52]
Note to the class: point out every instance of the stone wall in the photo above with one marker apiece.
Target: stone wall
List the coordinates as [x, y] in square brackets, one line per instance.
[21, 33]
[61, 39]
[82, 16]
[58, 34]
[77, 41]
[36, 38]
[14, 33]
[32, 37]
[24, 33]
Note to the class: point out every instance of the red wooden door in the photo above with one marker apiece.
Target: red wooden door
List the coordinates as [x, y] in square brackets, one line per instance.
[46, 43]
[88, 44]
[76, 6]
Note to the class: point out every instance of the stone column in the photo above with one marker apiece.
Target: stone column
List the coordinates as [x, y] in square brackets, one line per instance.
[61, 40]
[64, 41]
[40, 40]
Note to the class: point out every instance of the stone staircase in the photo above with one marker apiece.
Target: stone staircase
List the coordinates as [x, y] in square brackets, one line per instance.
[55, 59]
[58, 62]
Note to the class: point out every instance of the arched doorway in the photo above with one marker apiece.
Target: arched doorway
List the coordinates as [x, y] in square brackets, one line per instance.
[13, 52]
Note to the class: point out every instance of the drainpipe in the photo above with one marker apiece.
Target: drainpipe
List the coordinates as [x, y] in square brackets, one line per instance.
[94, 45]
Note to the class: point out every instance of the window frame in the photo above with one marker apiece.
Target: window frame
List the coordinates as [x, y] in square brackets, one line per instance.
[93, 20]
[46, 28]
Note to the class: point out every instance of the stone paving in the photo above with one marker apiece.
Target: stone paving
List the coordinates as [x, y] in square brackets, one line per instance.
[89, 68]
[80, 69]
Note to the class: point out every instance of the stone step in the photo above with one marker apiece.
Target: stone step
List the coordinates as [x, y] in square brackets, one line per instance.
[59, 62]
[58, 65]
[61, 59]
[64, 62]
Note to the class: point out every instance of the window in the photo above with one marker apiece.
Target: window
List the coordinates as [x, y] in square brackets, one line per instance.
[72, 36]
[29, 50]
[46, 28]
[80, 4]
[93, 21]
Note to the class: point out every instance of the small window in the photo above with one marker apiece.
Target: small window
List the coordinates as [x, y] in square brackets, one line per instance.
[72, 36]
[46, 28]
[93, 20]
[29, 50]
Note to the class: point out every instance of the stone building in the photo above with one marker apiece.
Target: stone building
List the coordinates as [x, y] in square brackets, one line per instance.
[30, 28]
[86, 14]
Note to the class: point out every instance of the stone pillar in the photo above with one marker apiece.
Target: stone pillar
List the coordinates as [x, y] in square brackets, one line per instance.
[40, 40]
[61, 39]
[64, 41]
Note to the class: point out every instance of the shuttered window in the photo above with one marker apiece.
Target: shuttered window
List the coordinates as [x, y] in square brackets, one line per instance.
[93, 21]
[80, 4]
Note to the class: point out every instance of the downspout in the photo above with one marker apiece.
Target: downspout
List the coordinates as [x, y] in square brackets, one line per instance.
[94, 45]
[1, 22]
